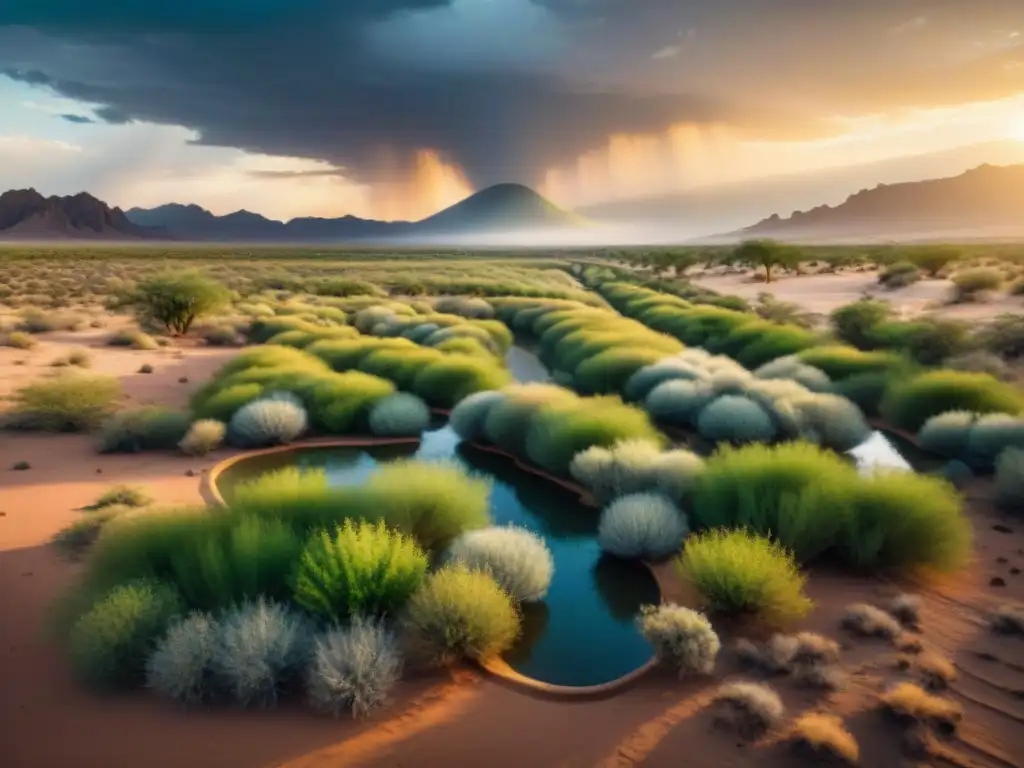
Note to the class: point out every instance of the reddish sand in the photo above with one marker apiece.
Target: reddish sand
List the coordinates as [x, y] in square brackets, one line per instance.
[462, 718]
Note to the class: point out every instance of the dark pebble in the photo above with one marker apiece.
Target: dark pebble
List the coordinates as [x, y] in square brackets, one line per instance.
[1002, 560]
[1002, 528]
[997, 581]
[99, 471]
[1015, 571]
[190, 473]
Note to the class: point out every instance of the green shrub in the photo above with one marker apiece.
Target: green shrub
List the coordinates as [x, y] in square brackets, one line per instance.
[262, 650]
[341, 404]
[400, 366]
[990, 435]
[362, 570]
[778, 341]
[518, 559]
[432, 502]
[910, 403]
[641, 383]
[353, 668]
[561, 429]
[773, 491]
[399, 415]
[735, 419]
[934, 258]
[967, 285]
[221, 405]
[17, 340]
[946, 434]
[150, 428]
[1004, 336]
[74, 539]
[451, 378]
[855, 323]
[645, 526]
[109, 643]
[791, 367]
[636, 466]
[903, 520]
[222, 336]
[459, 613]
[508, 420]
[1010, 479]
[900, 274]
[202, 437]
[66, 403]
[122, 496]
[842, 362]
[266, 422]
[980, 361]
[608, 372]
[865, 390]
[832, 421]
[133, 338]
[469, 416]
[175, 300]
[735, 572]
[181, 666]
[682, 638]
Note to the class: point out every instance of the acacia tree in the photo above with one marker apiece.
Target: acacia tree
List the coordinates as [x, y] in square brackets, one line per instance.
[175, 301]
[767, 254]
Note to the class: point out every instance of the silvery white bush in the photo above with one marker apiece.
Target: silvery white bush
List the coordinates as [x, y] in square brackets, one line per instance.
[267, 422]
[682, 638]
[518, 559]
[399, 415]
[181, 666]
[642, 525]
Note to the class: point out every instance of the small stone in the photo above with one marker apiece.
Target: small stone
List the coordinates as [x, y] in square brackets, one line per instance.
[21, 466]
[183, 380]
[99, 471]
[997, 581]
[1015, 571]
[1002, 528]
[3, 514]
[190, 473]
[1002, 560]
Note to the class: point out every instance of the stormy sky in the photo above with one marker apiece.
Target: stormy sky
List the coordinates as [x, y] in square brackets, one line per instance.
[496, 90]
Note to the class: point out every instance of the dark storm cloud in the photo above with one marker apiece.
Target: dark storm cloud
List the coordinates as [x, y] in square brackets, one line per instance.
[78, 119]
[365, 84]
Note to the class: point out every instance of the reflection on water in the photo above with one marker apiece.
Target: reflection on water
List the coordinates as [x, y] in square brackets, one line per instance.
[583, 632]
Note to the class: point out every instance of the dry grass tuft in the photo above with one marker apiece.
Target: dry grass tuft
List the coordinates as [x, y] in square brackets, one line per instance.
[808, 657]
[910, 702]
[907, 609]
[868, 621]
[1009, 620]
[751, 709]
[937, 672]
[824, 736]
[907, 643]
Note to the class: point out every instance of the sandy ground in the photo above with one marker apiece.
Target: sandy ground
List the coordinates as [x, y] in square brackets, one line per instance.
[458, 719]
[822, 293]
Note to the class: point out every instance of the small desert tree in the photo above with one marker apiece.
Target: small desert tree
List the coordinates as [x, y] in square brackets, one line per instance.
[175, 301]
[933, 259]
[767, 254]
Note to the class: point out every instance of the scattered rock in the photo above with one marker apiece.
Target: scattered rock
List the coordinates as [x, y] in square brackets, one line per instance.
[190, 473]
[146, 368]
[3, 514]
[1015, 571]
[997, 581]
[1002, 528]
[1002, 560]
[99, 471]
[183, 380]
[21, 466]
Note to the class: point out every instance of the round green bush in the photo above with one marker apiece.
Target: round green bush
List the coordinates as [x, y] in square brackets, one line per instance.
[353, 668]
[340, 403]
[865, 390]
[1010, 480]
[990, 435]
[678, 403]
[362, 570]
[778, 341]
[518, 559]
[833, 421]
[446, 381]
[947, 433]
[151, 428]
[399, 415]
[561, 429]
[508, 421]
[910, 403]
[266, 422]
[110, 643]
[469, 416]
[642, 525]
[608, 372]
[736, 572]
[682, 638]
[736, 419]
[841, 362]
[459, 613]
[181, 666]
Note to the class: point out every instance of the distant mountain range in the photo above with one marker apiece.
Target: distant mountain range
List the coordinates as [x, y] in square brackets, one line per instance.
[987, 201]
[27, 215]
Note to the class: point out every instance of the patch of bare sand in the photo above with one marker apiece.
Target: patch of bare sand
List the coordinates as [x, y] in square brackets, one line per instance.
[466, 719]
[823, 293]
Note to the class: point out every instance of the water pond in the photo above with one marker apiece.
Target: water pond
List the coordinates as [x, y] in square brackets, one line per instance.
[583, 632]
